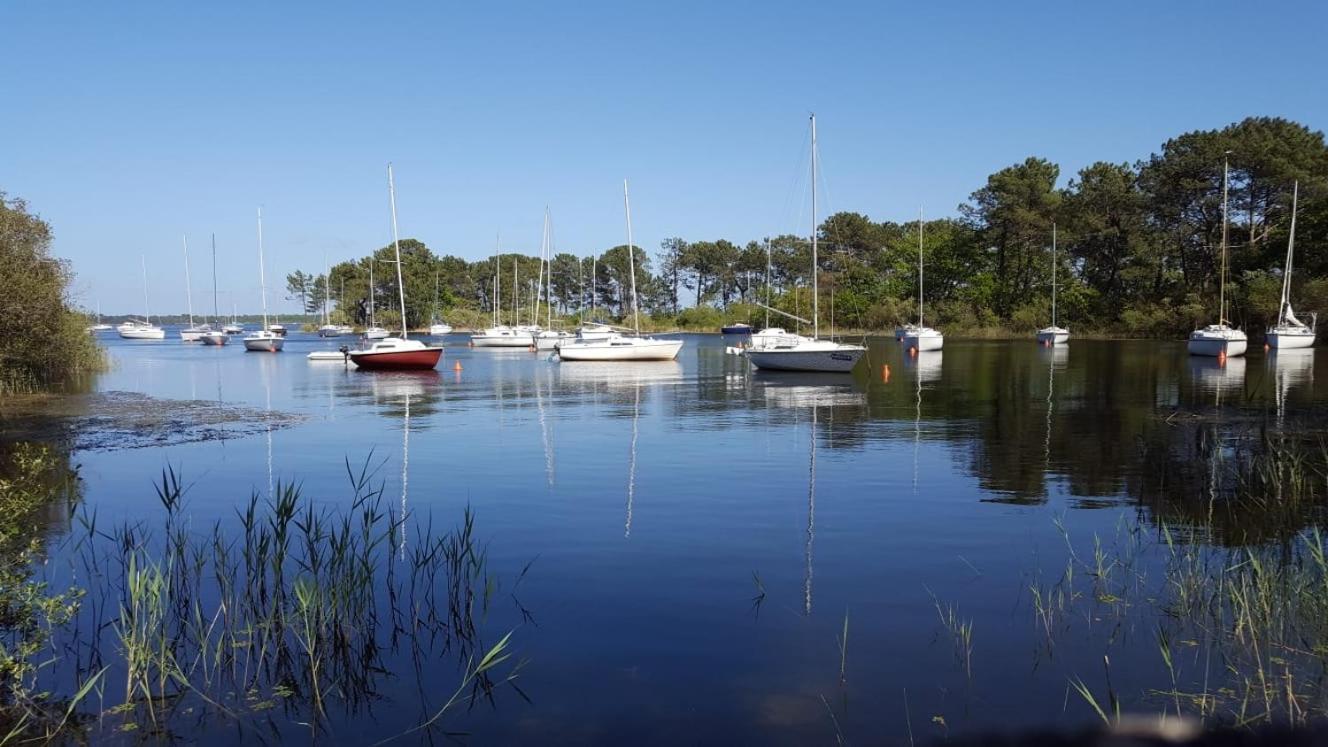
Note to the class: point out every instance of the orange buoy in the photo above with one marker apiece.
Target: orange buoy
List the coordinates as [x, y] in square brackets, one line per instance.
[456, 366]
[1265, 347]
[885, 374]
[913, 351]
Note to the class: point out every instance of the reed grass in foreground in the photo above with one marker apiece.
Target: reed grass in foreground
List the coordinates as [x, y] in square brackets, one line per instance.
[290, 619]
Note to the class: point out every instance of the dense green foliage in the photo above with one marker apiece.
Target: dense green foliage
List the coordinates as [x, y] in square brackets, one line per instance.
[1138, 253]
[42, 341]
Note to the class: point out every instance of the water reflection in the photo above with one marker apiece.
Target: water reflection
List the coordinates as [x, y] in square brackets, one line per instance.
[1292, 368]
[1222, 377]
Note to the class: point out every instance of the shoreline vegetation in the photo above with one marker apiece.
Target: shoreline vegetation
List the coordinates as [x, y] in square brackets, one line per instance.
[1138, 256]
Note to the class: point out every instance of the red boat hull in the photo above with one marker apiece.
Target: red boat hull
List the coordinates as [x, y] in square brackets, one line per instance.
[397, 360]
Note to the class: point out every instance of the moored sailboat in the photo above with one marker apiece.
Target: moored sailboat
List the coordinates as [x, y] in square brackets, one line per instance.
[790, 352]
[919, 337]
[264, 340]
[1290, 332]
[211, 336]
[393, 353]
[1053, 335]
[194, 332]
[615, 346]
[1220, 340]
[144, 330]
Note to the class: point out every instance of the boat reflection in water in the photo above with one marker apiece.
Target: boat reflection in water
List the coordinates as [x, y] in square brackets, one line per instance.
[621, 374]
[796, 390]
[1291, 368]
[1217, 375]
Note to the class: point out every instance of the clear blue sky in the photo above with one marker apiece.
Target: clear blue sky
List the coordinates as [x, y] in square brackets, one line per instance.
[129, 124]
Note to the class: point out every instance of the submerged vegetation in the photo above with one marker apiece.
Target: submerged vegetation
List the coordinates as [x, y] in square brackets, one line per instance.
[43, 342]
[292, 617]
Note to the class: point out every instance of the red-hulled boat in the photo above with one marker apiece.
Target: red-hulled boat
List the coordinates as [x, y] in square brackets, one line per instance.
[396, 354]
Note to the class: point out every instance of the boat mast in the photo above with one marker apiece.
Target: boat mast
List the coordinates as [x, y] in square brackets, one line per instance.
[631, 260]
[262, 272]
[497, 284]
[920, 322]
[147, 308]
[1053, 273]
[215, 312]
[516, 294]
[593, 279]
[548, 291]
[1291, 245]
[372, 323]
[327, 288]
[767, 283]
[396, 247]
[188, 289]
[816, 295]
[1222, 283]
[544, 250]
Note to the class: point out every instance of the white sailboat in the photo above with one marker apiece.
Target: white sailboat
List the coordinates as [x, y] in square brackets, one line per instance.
[1220, 340]
[437, 328]
[144, 330]
[773, 351]
[264, 340]
[501, 335]
[100, 326]
[373, 332]
[616, 346]
[328, 329]
[1053, 335]
[194, 332]
[214, 337]
[1290, 332]
[234, 328]
[919, 337]
[548, 338]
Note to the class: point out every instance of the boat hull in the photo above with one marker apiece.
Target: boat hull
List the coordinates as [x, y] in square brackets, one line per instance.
[923, 343]
[502, 341]
[736, 329]
[216, 339]
[1214, 347]
[611, 350]
[143, 334]
[438, 330]
[1053, 336]
[397, 360]
[264, 345]
[827, 361]
[192, 335]
[1288, 339]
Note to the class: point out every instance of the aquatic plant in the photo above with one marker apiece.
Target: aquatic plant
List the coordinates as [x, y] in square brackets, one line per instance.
[294, 606]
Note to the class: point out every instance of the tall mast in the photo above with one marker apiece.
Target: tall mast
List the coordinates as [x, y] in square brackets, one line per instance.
[1053, 273]
[1291, 245]
[1222, 283]
[544, 250]
[516, 295]
[327, 286]
[262, 271]
[215, 312]
[631, 260]
[147, 308]
[548, 277]
[816, 295]
[767, 283]
[372, 259]
[188, 285]
[920, 323]
[593, 282]
[396, 246]
[497, 280]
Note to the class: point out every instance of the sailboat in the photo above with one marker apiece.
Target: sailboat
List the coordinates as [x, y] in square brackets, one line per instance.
[1220, 340]
[397, 353]
[1290, 332]
[373, 331]
[234, 328]
[616, 346]
[919, 337]
[548, 338]
[144, 330]
[437, 328]
[328, 329]
[792, 352]
[212, 336]
[100, 326]
[193, 332]
[500, 335]
[264, 340]
[1053, 335]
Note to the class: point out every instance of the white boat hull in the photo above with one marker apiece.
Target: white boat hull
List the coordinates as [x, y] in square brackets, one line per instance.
[922, 342]
[215, 339]
[551, 340]
[143, 333]
[1230, 343]
[620, 349]
[438, 330]
[839, 360]
[192, 335]
[502, 341]
[1290, 338]
[328, 355]
[271, 344]
[1053, 336]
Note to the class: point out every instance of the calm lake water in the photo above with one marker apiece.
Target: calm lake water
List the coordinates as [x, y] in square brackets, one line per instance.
[697, 534]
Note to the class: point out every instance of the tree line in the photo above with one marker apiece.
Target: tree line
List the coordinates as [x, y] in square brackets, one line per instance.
[1138, 253]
